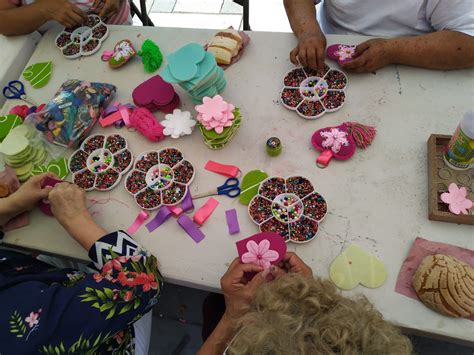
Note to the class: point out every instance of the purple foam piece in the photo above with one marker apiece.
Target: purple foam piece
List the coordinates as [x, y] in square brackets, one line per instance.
[161, 217]
[191, 228]
[232, 221]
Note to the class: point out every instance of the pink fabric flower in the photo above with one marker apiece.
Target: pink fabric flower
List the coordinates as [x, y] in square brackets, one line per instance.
[345, 52]
[32, 319]
[334, 139]
[456, 199]
[260, 254]
[215, 114]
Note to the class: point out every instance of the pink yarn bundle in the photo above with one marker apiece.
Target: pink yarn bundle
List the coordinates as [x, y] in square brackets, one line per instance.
[215, 114]
[144, 121]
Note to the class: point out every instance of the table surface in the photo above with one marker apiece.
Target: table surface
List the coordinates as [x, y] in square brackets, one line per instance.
[377, 200]
[14, 54]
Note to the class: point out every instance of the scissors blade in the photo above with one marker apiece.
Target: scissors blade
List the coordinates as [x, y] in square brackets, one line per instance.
[204, 194]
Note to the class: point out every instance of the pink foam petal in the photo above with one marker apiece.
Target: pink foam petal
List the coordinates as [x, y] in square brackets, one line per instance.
[263, 246]
[462, 192]
[454, 208]
[252, 247]
[214, 124]
[228, 124]
[219, 129]
[453, 188]
[249, 258]
[230, 107]
[263, 263]
[270, 255]
[446, 197]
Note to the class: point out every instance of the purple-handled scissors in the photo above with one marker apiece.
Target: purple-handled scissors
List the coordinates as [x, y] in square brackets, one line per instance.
[16, 90]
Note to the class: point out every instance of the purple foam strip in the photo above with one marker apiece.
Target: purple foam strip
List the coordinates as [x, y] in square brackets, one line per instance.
[161, 217]
[191, 228]
[187, 203]
[232, 221]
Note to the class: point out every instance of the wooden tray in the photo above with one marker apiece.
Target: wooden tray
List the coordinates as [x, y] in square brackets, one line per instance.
[440, 175]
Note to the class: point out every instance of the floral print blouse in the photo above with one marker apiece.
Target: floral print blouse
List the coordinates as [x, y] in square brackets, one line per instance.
[51, 311]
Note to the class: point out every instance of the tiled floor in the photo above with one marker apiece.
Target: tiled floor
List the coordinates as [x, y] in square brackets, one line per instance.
[177, 317]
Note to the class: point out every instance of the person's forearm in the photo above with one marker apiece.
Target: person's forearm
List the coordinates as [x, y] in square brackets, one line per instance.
[84, 230]
[302, 16]
[22, 20]
[443, 50]
[9, 208]
[219, 339]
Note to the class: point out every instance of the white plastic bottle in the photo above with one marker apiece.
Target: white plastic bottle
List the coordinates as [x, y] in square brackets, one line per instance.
[459, 153]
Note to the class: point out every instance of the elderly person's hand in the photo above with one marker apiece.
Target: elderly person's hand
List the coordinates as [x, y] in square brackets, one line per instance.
[311, 50]
[238, 291]
[370, 56]
[291, 263]
[31, 192]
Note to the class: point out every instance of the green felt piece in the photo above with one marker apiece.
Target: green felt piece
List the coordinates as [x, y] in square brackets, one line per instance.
[211, 134]
[39, 157]
[38, 74]
[7, 123]
[23, 170]
[14, 144]
[250, 184]
[58, 167]
[151, 56]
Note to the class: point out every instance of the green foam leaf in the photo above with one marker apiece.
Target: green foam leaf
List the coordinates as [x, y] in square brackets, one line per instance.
[250, 184]
[7, 123]
[38, 74]
[58, 167]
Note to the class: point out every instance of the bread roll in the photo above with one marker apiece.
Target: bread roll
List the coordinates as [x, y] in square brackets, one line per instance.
[223, 56]
[226, 43]
[446, 285]
[231, 33]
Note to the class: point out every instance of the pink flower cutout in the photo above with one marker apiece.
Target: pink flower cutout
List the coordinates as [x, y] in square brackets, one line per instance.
[345, 52]
[456, 199]
[259, 254]
[32, 319]
[334, 139]
[215, 114]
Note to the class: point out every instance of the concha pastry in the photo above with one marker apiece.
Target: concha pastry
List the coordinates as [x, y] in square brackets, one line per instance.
[446, 285]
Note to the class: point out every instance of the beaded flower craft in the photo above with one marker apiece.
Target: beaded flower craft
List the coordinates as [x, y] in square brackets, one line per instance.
[82, 40]
[100, 162]
[159, 178]
[312, 93]
[290, 207]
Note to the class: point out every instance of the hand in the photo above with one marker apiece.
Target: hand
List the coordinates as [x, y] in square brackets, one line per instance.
[292, 263]
[107, 8]
[238, 291]
[311, 50]
[68, 204]
[62, 11]
[31, 192]
[370, 56]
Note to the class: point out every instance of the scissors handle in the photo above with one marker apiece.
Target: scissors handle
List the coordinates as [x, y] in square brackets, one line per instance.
[229, 188]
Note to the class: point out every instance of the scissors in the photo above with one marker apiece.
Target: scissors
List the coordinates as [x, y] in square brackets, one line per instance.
[16, 90]
[230, 188]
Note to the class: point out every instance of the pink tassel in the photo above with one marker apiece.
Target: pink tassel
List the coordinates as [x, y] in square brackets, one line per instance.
[144, 121]
[363, 135]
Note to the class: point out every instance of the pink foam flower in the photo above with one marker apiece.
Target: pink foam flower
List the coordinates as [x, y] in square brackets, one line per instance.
[334, 139]
[345, 52]
[215, 114]
[456, 199]
[260, 254]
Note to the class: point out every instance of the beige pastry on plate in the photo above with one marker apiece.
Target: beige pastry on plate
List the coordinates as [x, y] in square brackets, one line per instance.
[225, 45]
[446, 285]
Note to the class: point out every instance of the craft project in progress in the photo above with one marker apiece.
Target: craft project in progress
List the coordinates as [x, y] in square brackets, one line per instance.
[22, 150]
[38, 74]
[312, 93]
[122, 53]
[218, 121]
[196, 71]
[290, 207]
[159, 178]
[445, 284]
[340, 142]
[451, 191]
[73, 112]
[355, 266]
[100, 162]
[156, 94]
[262, 249]
[82, 40]
[341, 53]
[178, 124]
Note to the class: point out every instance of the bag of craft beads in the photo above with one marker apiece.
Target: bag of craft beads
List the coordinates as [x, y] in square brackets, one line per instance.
[68, 118]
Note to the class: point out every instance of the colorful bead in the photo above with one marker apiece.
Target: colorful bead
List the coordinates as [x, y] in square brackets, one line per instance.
[291, 97]
[299, 186]
[336, 79]
[294, 78]
[311, 108]
[334, 99]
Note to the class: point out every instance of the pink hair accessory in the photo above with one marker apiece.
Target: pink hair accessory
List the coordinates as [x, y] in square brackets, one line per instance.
[341, 53]
[456, 199]
[156, 94]
[106, 55]
[340, 142]
[144, 121]
[263, 249]
[215, 113]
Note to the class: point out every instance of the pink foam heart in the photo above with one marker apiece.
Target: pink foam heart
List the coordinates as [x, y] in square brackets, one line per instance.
[155, 94]
[266, 248]
[335, 141]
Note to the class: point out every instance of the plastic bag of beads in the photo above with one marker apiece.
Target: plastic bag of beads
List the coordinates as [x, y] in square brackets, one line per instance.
[68, 118]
